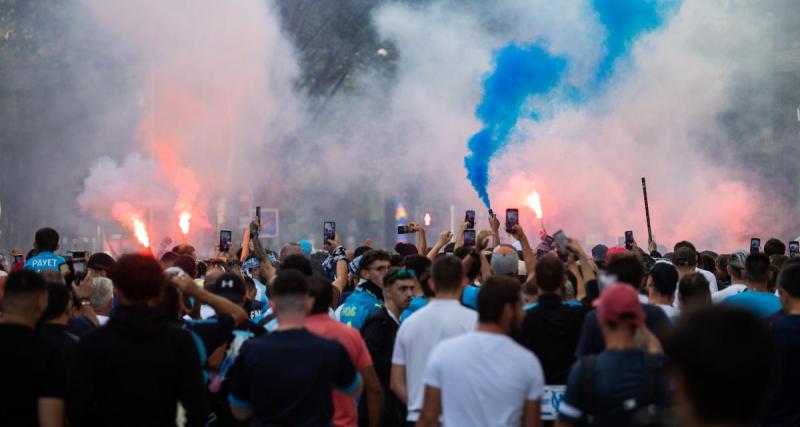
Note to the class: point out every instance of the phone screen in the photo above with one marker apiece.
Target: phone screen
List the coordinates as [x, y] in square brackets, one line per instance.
[755, 245]
[794, 248]
[328, 230]
[628, 239]
[225, 240]
[469, 237]
[512, 219]
[79, 266]
[561, 240]
[258, 214]
[404, 229]
[470, 218]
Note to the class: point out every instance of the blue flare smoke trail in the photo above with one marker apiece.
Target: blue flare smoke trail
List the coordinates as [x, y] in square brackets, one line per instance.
[524, 71]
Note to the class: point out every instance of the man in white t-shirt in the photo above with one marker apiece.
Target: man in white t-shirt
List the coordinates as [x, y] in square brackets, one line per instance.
[684, 265]
[662, 282]
[465, 382]
[685, 261]
[443, 317]
[738, 279]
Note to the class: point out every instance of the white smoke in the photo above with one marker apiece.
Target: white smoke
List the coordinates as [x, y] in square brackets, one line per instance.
[217, 89]
[216, 84]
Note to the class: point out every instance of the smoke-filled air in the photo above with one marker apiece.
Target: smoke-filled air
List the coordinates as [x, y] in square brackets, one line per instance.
[140, 121]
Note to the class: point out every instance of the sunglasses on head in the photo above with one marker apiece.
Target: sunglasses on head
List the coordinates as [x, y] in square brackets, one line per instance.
[400, 274]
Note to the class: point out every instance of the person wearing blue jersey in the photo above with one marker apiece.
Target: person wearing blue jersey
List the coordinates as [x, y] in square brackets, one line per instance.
[227, 330]
[368, 296]
[757, 298]
[46, 243]
[251, 268]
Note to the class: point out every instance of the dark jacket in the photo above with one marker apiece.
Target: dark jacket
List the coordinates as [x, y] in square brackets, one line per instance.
[136, 368]
[379, 332]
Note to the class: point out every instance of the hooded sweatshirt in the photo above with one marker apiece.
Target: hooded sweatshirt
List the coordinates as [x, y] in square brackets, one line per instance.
[136, 368]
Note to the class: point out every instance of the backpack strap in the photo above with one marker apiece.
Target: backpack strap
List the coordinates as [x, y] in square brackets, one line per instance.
[587, 388]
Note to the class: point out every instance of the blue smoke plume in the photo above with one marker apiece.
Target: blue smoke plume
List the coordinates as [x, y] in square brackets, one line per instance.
[523, 71]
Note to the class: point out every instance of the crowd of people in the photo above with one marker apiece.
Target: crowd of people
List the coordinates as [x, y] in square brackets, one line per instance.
[487, 334]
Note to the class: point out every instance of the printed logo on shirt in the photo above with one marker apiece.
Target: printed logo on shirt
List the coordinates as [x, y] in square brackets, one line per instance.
[551, 401]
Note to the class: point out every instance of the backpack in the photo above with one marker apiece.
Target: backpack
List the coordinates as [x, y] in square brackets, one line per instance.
[642, 411]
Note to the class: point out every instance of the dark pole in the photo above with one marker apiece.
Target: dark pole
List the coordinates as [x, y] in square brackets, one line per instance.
[647, 212]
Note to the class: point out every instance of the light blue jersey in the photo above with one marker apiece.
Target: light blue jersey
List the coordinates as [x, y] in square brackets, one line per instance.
[44, 261]
[762, 304]
[469, 297]
[361, 304]
[416, 303]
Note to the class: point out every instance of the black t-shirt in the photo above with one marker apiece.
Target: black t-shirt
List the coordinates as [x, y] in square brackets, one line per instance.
[30, 368]
[287, 378]
[379, 332]
[618, 377]
[66, 345]
[785, 407]
[551, 331]
[593, 342]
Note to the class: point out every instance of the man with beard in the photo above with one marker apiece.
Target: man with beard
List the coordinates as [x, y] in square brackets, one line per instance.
[465, 384]
[379, 333]
[442, 318]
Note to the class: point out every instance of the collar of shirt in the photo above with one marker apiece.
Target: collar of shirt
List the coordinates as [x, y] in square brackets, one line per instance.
[136, 320]
[319, 318]
[372, 288]
[443, 302]
[392, 316]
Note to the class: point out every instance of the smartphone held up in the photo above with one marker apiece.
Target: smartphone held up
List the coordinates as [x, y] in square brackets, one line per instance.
[469, 237]
[225, 238]
[405, 229]
[328, 231]
[512, 219]
[755, 245]
[628, 239]
[469, 217]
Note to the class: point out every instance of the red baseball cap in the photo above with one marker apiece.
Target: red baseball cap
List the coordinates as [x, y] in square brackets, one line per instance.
[614, 251]
[620, 304]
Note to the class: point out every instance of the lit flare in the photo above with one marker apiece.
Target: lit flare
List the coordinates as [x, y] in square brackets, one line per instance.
[184, 220]
[140, 232]
[534, 201]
